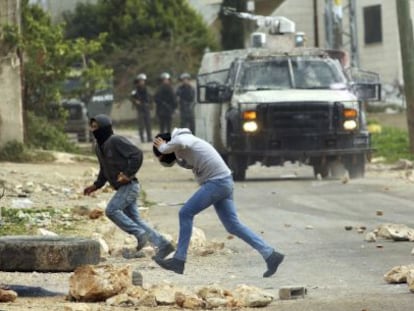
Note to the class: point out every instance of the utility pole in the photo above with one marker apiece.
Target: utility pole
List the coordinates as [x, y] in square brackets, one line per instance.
[407, 56]
[333, 24]
[353, 33]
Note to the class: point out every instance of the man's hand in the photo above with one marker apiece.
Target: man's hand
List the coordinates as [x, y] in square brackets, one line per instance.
[122, 178]
[89, 190]
[158, 141]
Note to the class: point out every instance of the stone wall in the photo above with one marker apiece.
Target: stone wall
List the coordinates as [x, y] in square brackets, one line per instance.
[11, 112]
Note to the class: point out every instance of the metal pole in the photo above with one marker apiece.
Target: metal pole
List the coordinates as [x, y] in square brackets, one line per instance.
[315, 23]
[328, 23]
[353, 32]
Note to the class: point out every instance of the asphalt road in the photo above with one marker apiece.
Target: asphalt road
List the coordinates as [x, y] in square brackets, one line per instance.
[305, 219]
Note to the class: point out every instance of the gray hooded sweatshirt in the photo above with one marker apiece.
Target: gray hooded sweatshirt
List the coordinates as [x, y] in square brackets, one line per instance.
[196, 154]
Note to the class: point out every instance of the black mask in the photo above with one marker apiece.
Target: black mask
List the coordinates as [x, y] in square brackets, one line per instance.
[102, 134]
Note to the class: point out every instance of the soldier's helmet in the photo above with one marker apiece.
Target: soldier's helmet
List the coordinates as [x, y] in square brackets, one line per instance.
[185, 75]
[141, 76]
[165, 75]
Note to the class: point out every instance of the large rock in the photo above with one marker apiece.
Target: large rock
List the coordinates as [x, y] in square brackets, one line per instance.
[98, 283]
[122, 300]
[189, 301]
[216, 297]
[251, 297]
[398, 274]
[410, 280]
[396, 232]
[164, 294]
[7, 295]
[198, 239]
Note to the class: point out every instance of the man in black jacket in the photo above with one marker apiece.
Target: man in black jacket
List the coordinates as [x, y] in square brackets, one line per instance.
[165, 102]
[119, 162]
[141, 100]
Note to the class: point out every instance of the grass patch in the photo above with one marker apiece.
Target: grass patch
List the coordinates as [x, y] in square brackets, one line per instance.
[392, 144]
[26, 221]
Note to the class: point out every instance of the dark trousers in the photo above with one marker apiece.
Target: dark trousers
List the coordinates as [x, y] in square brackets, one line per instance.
[165, 123]
[187, 121]
[144, 125]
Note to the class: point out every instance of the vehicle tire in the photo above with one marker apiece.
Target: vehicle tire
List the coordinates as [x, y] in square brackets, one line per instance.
[320, 168]
[238, 167]
[355, 164]
[46, 253]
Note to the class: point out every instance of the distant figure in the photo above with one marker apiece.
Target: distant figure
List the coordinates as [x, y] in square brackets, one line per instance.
[165, 102]
[186, 99]
[141, 100]
[119, 162]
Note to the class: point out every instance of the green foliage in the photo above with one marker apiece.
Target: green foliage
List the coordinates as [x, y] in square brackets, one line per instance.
[143, 36]
[14, 151]
[392, 144]
[48, 59]
[46, 135]
[26, 221]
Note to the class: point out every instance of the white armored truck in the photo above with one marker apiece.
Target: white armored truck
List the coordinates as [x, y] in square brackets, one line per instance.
[297, 104]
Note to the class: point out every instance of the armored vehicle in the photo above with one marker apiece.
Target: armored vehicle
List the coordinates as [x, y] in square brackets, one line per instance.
[301, 105]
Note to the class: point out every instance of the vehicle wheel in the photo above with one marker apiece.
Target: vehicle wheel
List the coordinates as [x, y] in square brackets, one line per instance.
[355, 164]
[237, 166]
[320, 168]
[46, 253]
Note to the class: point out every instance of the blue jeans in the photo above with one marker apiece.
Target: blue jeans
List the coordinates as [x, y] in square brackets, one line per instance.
[219, 193]
[123, 211]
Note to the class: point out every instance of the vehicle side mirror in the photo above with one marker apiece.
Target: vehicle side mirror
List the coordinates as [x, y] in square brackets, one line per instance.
[367, 91]
[213, 92]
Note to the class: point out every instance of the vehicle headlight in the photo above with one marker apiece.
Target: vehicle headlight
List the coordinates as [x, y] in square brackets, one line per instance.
[350, 125]
[250, 126]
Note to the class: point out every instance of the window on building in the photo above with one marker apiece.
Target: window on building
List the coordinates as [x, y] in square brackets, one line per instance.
[373, 24]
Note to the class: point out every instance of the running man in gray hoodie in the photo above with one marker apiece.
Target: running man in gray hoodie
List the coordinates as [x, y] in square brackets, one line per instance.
[119, 162]
[216, 188]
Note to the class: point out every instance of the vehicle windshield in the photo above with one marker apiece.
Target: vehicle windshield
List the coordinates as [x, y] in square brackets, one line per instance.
[298, 72]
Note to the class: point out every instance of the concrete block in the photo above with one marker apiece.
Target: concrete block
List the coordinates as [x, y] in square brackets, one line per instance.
[292, 292]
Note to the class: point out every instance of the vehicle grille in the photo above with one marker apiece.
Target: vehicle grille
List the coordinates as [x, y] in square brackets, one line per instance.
[297, 117]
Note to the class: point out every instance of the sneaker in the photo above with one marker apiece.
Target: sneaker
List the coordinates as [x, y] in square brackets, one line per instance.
[273, 262]
[164, 251]
[142, 241]
[171, 264]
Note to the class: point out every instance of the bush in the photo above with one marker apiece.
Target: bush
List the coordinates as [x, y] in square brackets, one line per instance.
[14, 151]
[44, 135]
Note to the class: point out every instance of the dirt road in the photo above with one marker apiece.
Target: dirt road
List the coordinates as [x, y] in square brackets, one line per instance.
[301, 216]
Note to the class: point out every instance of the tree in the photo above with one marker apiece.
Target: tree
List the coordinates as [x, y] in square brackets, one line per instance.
[407, 55]
[47, 59]
[149, 36]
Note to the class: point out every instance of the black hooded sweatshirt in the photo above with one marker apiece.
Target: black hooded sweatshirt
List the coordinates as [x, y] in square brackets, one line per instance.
[115, 154]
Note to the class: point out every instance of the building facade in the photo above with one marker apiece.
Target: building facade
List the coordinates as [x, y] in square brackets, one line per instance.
[377, 35]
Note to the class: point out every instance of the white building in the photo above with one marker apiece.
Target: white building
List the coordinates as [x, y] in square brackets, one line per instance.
[377, 31]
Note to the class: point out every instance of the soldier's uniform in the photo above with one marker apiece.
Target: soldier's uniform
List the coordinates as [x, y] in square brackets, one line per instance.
[141, 100]
[165, 104]
[186, 98]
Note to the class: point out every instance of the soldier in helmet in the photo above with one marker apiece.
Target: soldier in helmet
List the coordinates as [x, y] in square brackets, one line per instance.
[141, 100]
[186, 99]
[165, 102]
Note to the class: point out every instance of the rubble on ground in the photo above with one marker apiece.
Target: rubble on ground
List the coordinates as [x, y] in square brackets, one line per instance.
[401, 274]
[113, 285]
[7, 295]
[388, 231]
